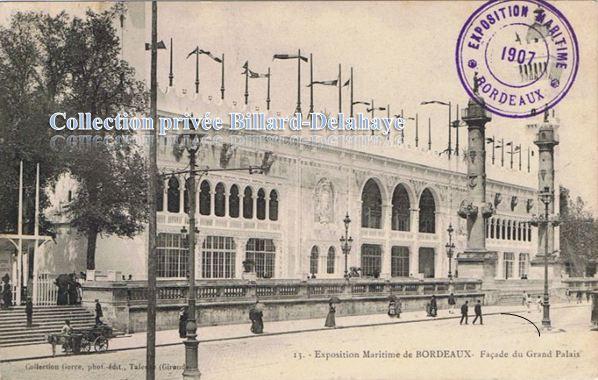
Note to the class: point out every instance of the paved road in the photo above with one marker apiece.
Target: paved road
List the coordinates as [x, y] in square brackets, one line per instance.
[460, 352]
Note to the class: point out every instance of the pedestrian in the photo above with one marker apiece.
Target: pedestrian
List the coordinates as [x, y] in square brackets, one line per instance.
[433, 306]
[399, 307]
[478, 313]
[6, 291]
[588, 296]
[524, 298]
[183, 316]
[392, 308]
[255, 315]
[99, 313]
[330, 320]
[66, 331]
[451, 303]
[579, 300]
[464, 311]
[539, 303]
[528, 302]
[568, 294]
[29, 311]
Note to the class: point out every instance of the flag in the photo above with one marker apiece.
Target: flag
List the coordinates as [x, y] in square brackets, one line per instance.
[377, 109]
[289, 56]
[195, 51]
[252, 74]
[509, 143]
[347, 82]
[324, 82]
[489, 140]
[364, 103]
[209, 54]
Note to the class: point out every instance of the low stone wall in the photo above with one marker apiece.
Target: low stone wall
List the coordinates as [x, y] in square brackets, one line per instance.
[211, 314]
[124, 303]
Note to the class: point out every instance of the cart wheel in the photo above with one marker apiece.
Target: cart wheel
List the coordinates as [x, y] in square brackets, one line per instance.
[100, 344]
[85, 345]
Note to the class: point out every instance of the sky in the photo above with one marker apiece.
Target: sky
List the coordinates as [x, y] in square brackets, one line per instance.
[402, 53]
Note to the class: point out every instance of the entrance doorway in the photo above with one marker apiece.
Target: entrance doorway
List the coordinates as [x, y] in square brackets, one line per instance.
[426, 262]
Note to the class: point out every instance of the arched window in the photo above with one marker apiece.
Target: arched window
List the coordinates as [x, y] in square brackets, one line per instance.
[248, 203]
[498, 223]
[529, 232]
[400, 209]
[204, 198]
[487, 224]
[427, 212]
[220, 200]
[518, 231]
[261, 204]
[159, 195]
[492, 228]
[273, 206]
[186, 196]
[174, 196]
[233, 202]
[330, 260]
[514, 230]
[502, 229]
[371, 205]
[313, 260]
[509, 230]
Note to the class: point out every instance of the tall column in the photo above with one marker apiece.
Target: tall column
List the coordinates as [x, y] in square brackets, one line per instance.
[546, 141]
[476, 261]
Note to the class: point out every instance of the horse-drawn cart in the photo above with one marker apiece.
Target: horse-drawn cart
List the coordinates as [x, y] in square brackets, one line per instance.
[79, 341]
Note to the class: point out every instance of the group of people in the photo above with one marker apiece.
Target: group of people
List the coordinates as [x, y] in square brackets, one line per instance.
[477, 310]
[70, 291]
[578, 296]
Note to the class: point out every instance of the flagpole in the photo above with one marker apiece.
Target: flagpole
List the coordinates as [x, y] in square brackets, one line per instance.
[402, 130]
[311, 83]
[36, 233]
[373, 109]
[170, 75]
[493, 145]
[246, 82]
[502, 153]
[340, 93]
[268, 92]
[298, 109]
[512, 154]
[197, 71]
[351, 91]
[429, 133]
[457, 133]
[19, 281]
[222, 83]
[528, 159]
[416, 130]
[450, 145]
[519, 157]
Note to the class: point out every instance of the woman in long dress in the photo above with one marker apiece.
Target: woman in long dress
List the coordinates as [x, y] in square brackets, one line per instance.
[330, 320]
[255, 315]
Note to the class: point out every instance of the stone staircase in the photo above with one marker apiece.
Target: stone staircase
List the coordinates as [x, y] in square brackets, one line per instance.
[511, 291]
[46, 320]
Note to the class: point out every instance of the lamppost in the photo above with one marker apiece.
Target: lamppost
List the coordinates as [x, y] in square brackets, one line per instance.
[346, 242]
[191, 143]
[450, 246]
[450, 145]
[546, 197]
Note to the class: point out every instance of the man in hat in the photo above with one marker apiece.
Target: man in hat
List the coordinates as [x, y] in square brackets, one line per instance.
[99, 313]
[29, 311]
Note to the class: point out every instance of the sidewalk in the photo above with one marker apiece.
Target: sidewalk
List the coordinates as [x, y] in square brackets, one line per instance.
[241, 331]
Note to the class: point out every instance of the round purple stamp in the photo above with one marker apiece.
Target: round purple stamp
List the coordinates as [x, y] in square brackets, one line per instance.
[524, 54]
